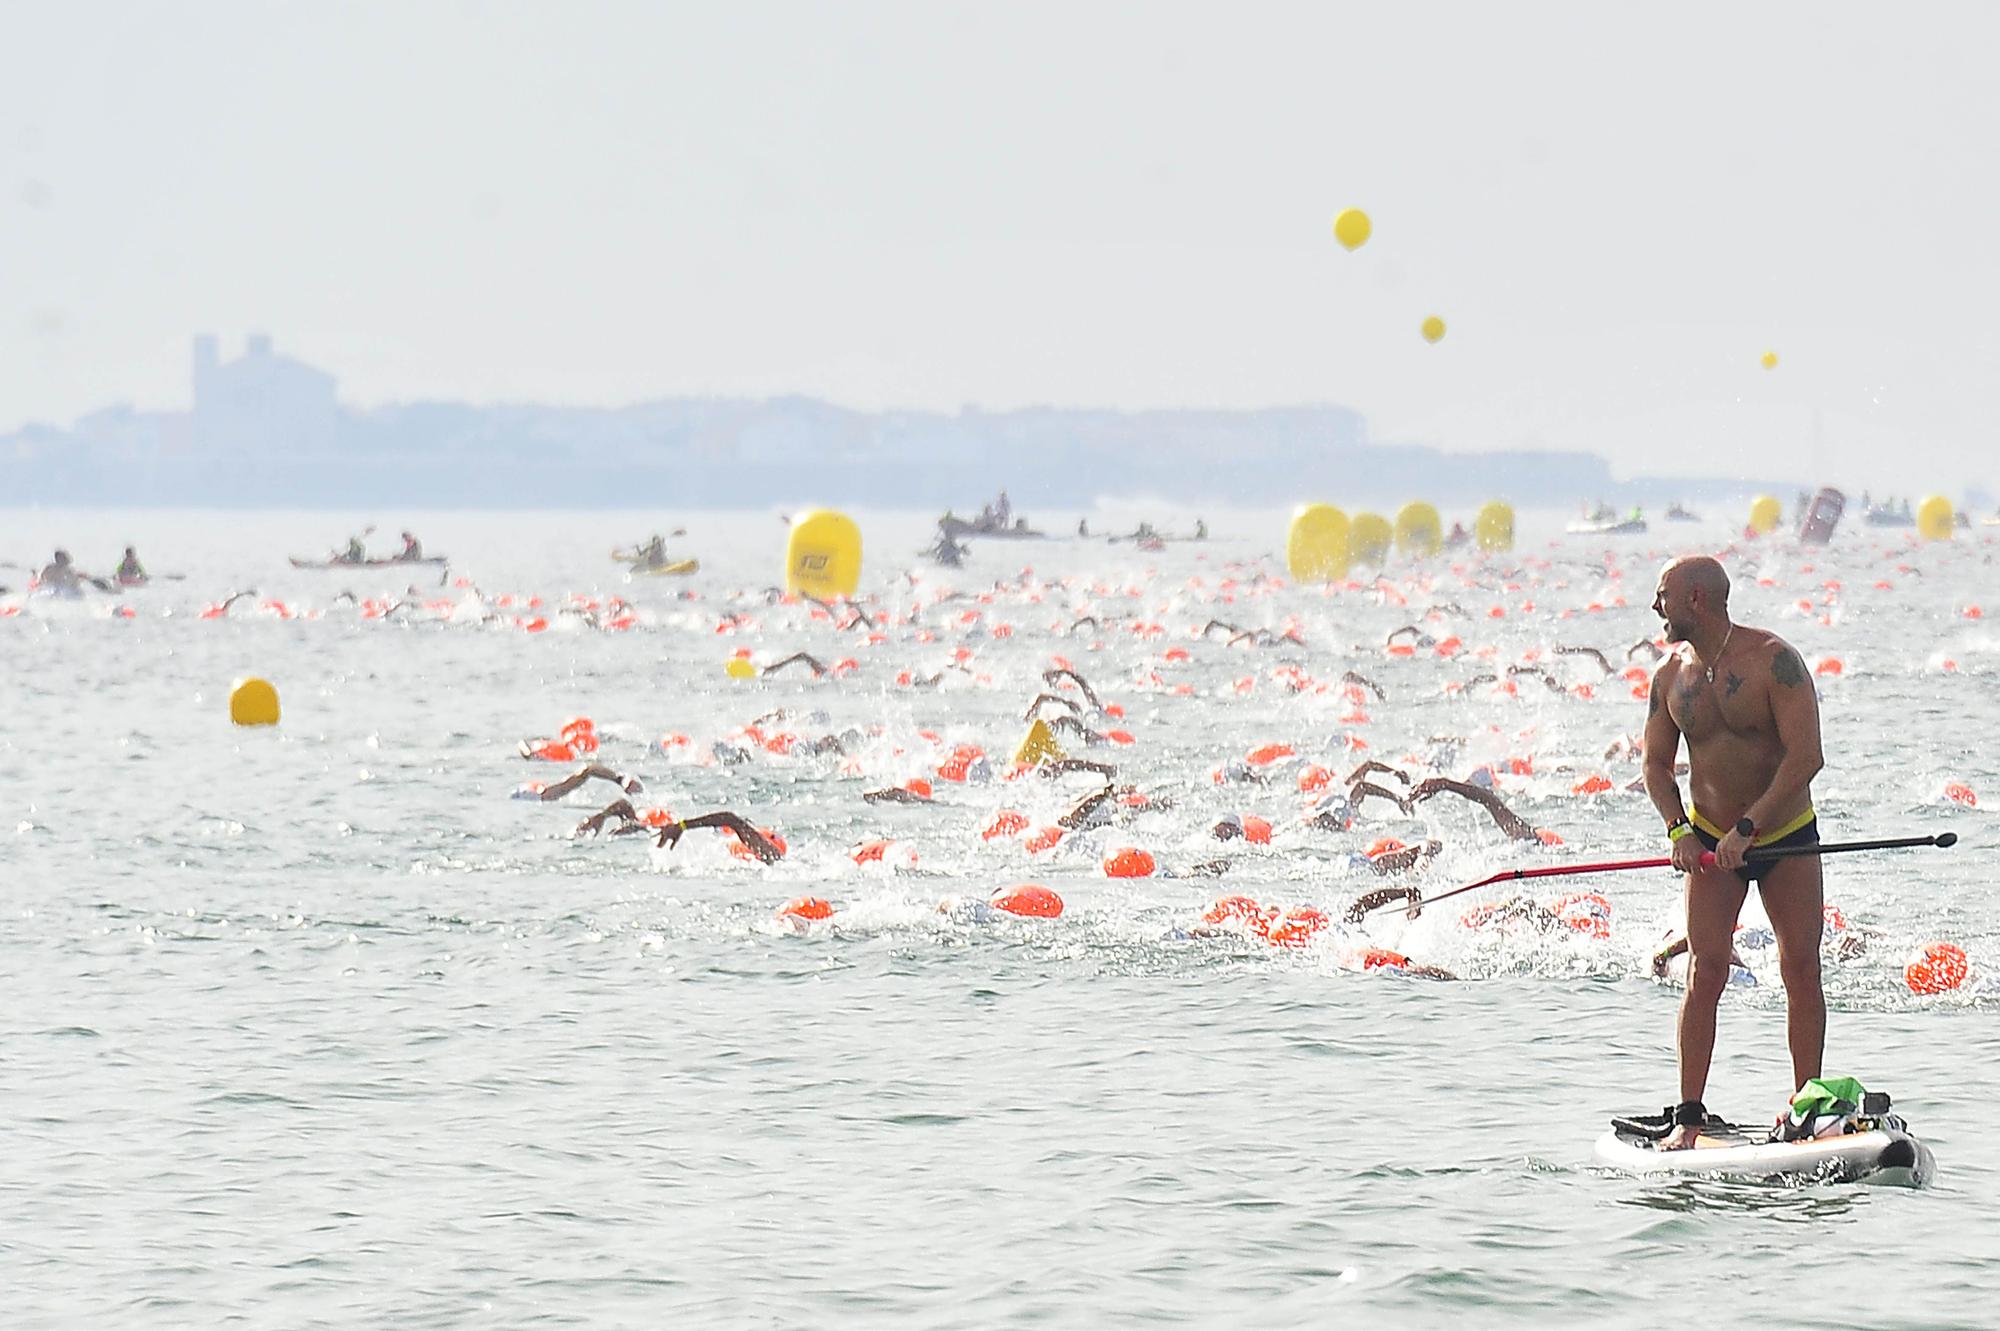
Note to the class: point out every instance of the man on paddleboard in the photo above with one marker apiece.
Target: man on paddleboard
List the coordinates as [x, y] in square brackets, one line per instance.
[1743, 700]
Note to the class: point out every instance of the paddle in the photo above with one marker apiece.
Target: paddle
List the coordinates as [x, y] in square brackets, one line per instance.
[1941, 840]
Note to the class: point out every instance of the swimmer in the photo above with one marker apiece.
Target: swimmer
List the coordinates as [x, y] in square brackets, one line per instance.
[1053, 677]
[555, 790]
[630, 821]
[913, 792]
[755, 841]
[1402, 861]
[1590, 652]
[797, 658]
[1050, 700]
[1505, 818]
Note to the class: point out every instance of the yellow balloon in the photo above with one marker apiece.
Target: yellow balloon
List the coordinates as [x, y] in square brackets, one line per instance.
[1770, 360]
[253, 702]
[1417, 533]
[739, 667]
[1369, 537]
[1316, 544]
[1433, 328]
[1765, 514]
[823, 555]
[1935, 518]
[1352, 228]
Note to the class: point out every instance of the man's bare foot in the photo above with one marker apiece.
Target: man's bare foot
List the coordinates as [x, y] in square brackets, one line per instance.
[1681, 1138]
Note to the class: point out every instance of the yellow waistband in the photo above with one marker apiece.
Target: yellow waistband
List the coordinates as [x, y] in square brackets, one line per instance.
[1763, 838]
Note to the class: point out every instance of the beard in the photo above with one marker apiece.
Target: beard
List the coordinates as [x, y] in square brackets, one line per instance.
[1676, 632]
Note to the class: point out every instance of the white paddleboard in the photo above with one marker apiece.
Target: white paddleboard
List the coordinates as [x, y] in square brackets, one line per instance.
[1886, 1154]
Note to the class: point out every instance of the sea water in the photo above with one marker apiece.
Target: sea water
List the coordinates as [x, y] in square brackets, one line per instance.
[315, 1026]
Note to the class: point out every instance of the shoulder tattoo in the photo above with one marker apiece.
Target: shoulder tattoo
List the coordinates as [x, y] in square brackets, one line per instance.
[1788, 668]
[1657, 701]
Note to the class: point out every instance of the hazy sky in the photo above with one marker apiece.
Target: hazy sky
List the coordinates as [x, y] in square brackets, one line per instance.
[1616, 208]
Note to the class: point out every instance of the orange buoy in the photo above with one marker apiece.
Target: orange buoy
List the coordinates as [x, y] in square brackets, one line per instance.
[1266, 754]
[1585, 912]
[1297, 927]
[1594, 784]
[1941, 968]
[551, 752]
[1045, 839]
[1832, 665]
[1387, 845]
[1128, 862]
[1005, 823]
[806, 908]
[1235, 910]
[1029, 899]
[1961, 793]
[919, 787]
[1381, 958]
[1314, 779]
[1256, 830]
[656, 817]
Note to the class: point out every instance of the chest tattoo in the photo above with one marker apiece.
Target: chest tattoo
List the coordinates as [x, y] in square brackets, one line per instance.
[1735, 683]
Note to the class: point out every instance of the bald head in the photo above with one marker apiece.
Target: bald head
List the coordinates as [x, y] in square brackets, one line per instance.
[1704, 574]
[1693, 596]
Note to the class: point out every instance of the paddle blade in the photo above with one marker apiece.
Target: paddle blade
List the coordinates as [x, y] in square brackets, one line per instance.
[1947, 838]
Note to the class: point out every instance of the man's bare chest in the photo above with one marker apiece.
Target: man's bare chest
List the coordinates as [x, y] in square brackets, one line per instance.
[1730, 705]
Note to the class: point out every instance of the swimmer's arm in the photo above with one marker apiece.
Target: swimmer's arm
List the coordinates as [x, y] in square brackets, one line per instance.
[797, 658]
[556, 790]
[1350, 677]
[759, 845]
[1063, 766]
[1380, 897]
[1360, 790]
[1372, 765]
[619, 809]
[1669, 952]
[1795, 707]
[1662, 742]
[1048, 699]
[1075, 817]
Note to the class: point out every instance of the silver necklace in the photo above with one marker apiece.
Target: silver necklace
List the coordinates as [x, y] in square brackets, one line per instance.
[1719, 652]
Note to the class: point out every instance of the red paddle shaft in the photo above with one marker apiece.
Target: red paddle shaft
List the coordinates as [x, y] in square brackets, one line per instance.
[1707, 862]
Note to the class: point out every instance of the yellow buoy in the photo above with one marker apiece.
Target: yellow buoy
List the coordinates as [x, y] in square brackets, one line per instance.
[823, 556]
[1316, 544]
[1433, 328]
[1935, 518]
[1418, 533]
[1495, 526]
[1369, 537]
[1039, 746]
[740, 667]
[1765, 514]
[1769, 360]
[1352, 228]
[253, 702]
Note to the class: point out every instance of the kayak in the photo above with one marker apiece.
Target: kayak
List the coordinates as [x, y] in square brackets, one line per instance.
[367, 563]
[1629, 527]
[1883, 1153]
[678, 568]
